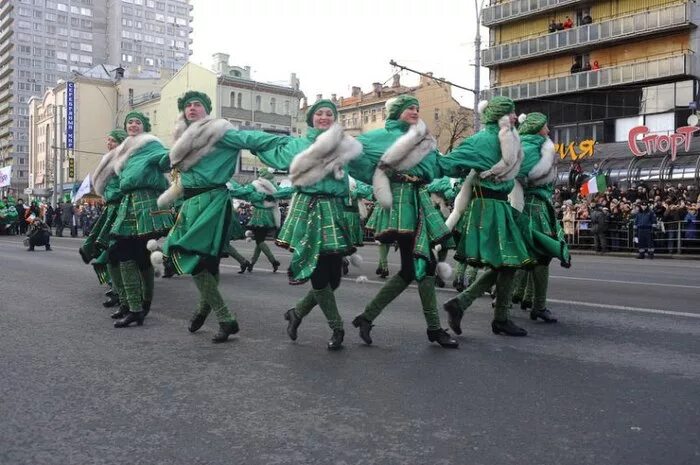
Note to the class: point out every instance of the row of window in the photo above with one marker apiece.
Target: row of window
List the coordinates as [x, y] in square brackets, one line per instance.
[151, 27]
[22, 11]
[179, 44]
[149, 15]
[182, 10]
[51, 41]
[236, 101]
[38, 51]
[51, 29]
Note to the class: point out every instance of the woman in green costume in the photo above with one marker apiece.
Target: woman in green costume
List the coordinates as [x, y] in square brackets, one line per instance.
[265, 219]
[490, 236]
[538, 174]
[400, 160]
[354, 212]
[316, 231]
[138, 163]
[203, 158]
[96, 246]
[382, 248]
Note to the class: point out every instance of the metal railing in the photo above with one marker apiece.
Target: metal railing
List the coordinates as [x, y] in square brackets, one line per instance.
[510, 11]
[678, 237]
[610, 30]
[677, 65]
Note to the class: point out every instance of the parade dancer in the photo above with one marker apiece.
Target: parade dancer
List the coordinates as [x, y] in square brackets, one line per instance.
[354, 212]
[96, 246]
[538, 173]
[400, 160]
[139, 162]
[490, 237]
[316, 231]
[203, 158]
[266, 219]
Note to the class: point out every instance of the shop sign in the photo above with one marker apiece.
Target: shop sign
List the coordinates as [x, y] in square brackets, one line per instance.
[659, 143]
[576, 151]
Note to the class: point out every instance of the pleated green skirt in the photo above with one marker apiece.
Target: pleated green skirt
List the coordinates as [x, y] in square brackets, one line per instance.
[139, 216]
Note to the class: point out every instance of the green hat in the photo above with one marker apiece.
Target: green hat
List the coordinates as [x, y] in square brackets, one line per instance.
[138, 115]
[266, 174]
[533, 123]
[118, 134]
[496, 108]
[323, 103]
[395, 106]
[192, 95]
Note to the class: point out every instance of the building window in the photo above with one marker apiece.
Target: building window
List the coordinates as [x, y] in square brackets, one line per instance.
[233, 99]
[258, 103]
[286, 107]
[273, 105]
[239, 100]
[437, 114]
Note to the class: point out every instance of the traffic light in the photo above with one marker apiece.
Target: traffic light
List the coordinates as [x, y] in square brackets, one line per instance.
[71, 167]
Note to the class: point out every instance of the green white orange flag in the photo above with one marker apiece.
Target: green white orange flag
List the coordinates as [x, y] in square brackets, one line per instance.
[594, 185]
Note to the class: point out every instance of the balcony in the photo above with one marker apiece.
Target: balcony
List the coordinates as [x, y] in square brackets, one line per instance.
[4, 107]
[612, 30]
[510, 11]
[4, 83]
[5, 10]
[5, 34]
[630, 73]
[6, 94]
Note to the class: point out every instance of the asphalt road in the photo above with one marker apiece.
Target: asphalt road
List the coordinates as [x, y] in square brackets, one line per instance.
[616, 382]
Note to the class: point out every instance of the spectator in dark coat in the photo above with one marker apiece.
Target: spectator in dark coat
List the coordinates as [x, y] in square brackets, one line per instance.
[644, 222]
[599, 228]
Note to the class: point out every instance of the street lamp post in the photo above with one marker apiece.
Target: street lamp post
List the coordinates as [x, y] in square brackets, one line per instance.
[477, 65]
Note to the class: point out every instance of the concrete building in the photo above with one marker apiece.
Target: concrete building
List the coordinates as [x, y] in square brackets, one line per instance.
[447, 120]
[44, 41]
[599, 69]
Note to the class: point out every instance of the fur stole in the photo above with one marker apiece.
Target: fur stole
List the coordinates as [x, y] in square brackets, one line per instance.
[103, 172]
[329, 153]
[545, 171]
[511, 153]
[516, 197]
[127, 148]
[266, 187]
[196, 140]
[405, 153]
[461, 201]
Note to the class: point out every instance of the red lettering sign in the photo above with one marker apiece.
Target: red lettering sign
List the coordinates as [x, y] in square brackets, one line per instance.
[653, 143]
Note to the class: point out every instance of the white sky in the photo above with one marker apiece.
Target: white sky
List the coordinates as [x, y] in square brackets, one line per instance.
[333, 45]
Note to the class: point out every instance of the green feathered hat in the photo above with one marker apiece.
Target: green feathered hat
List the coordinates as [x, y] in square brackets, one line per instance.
[395, 106]
[496, 108]
[532, 123]
[323, 103]
[138, 115]
[192, 95]
[118, 135]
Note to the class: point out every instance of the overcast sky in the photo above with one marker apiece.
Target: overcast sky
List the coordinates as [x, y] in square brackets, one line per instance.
[333, 45]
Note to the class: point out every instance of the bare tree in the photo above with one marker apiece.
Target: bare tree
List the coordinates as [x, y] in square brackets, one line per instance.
[452, 127]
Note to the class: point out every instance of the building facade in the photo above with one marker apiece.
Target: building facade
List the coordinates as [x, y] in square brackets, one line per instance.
[42, 41]
[598, 69]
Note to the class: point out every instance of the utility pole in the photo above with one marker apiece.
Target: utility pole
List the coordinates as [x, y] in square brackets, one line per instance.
[477, 67]
[61, 149]
[55, 156]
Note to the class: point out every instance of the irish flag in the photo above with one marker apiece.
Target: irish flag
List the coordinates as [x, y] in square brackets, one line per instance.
[594, 185]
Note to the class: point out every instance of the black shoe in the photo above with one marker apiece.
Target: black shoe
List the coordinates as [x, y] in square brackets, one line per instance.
[121, 313]
[458, 285]
[83, 255]
[456, 313]
[30, 249]
[146, 307]
[651, 255]
[48, 248]
[250, 267]
[130, 317]
[275, 266]
[346, 266]
[544, 314]
[439, 282]
[385, 273]
[508, 328]
[168, 269]
[294, 322]
[336, 342]
[365, 327]
[225, 330]
[196, 322]
[112, 300]
[378, 271]
[524, 305]
[244, 266]
[443, 338]
[516, 299]
[640, 256]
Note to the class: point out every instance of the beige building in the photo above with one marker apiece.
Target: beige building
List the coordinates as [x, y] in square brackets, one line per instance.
[447, 120]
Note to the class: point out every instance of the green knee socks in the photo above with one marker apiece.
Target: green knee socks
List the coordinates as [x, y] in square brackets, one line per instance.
[132, 283]
[233, 253]
[147, 280]
[306, 304]
[504, 292]
[117, 285]
[540, 280]
[426, 291]
[395, 286]
[384, 256]
[208, 287]
[482, 284]
[326, 300]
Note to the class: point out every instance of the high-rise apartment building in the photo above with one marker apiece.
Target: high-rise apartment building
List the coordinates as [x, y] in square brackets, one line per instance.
[597, 68]
[42, 41]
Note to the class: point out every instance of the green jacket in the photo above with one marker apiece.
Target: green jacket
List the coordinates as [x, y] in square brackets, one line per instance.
[112, 192]
[532, 146]
[144, 169]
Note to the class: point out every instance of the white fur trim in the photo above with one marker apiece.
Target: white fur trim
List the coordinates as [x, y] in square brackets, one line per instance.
[127, 148]
[522, 118]
[196, 141]
[516, 197]
[356, 260]
[409, 149]
[277, 215]
[329, 153]
[444, 271]
[174, 192]
[362, 209]
[157, 262]
[382, 189]
[545, 171]
[511, 153]
[461, 201]
[437, 248]
[482, 106]
[152, 245]
[439, 202]
[362, 279]
[104, 171]
[264, 186]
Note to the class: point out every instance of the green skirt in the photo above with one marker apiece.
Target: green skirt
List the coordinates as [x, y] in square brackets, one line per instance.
[139, 216]
[315, 226]
[99, 240]
[354, 223]
[542, 231]
[412, 214]
[262, 218]
[202, 229]
[492, 237]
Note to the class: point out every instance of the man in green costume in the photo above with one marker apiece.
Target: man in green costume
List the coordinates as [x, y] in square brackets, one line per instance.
[203, 159]
[400, 160]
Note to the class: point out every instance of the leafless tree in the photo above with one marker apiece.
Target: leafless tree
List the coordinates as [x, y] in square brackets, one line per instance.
[452, 127]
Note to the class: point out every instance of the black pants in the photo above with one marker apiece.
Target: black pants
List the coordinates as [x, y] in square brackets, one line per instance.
[408, 271]
[132, 248]
[259, 234]
[40, 238]
[328, 272]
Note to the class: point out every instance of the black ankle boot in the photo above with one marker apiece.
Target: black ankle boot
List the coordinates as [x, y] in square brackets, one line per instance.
[121, 313]
[146, 307]
[443, 338]
[84, 255]
[336, 342]
[525, 304]
[385, 273]
[544, 314]
[196, 322]
[365, 327]
[294, 322]
[244, 266]
[112, 300]
[168, 269]
[275, 267]
[250, 267]
[130, 317]
[225, 330]
[456, 313]
[439, 282]
[346, 266]
[508, 328]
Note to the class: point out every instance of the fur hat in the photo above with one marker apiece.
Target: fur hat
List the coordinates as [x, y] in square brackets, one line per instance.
[140, 116]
